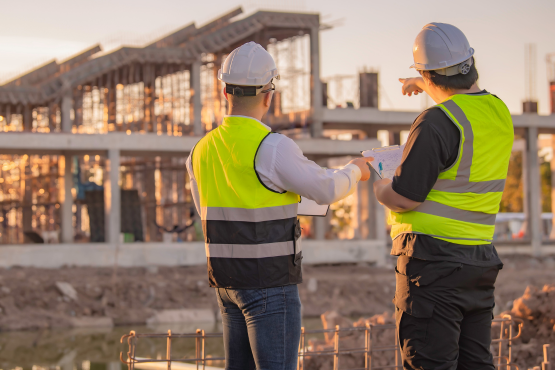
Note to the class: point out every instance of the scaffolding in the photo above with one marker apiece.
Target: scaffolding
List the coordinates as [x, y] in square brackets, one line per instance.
[168, 87]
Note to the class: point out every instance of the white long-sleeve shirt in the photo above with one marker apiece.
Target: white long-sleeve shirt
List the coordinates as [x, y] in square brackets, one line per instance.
[281, 166]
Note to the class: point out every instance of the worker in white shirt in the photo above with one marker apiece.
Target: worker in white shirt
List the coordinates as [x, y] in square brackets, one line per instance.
[246, 183]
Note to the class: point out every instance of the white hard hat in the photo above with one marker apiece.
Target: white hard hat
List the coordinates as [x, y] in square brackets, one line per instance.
[443, 48]
[248, 65]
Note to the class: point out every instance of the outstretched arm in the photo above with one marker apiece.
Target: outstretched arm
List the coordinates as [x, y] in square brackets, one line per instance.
[281, 165]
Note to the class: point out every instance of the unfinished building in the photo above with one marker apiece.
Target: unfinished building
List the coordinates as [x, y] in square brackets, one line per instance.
[94, 147]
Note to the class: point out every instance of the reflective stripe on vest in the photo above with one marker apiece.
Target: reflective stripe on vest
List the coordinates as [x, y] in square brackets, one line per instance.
[463, 204]
[249, 230]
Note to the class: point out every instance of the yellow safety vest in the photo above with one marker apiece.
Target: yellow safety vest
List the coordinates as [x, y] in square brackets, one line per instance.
[251, 232]
[462, 206]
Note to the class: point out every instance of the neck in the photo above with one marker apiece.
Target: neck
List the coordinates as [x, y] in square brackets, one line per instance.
[246, 113]
[440, 95]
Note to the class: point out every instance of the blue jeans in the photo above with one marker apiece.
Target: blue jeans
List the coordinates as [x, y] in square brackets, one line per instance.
[262, 327]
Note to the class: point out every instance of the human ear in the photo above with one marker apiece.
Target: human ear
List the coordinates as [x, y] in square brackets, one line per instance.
[225, 94]
[268, 98]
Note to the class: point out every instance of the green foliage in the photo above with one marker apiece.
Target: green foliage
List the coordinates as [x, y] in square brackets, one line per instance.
[512, 200]
[545, 173]
[513, 196]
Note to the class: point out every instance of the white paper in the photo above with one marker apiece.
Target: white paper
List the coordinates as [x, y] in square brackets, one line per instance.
[389, 157]
[308, 207]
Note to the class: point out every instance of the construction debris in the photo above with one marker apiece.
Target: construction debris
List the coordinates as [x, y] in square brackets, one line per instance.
[537, 309]
[67, 290]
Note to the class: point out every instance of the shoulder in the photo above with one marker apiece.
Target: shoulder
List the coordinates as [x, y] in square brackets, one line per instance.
[278, 141]
[435, 120]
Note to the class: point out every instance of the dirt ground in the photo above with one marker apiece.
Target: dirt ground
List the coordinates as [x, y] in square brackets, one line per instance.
[30, 298]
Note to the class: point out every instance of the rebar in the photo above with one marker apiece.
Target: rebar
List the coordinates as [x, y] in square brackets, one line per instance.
[369, 350]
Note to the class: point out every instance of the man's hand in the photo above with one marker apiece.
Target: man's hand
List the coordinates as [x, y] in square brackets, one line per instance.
[364, 165]
[413, 85]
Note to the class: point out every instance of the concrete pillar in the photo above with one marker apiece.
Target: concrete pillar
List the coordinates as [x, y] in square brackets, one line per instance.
[363, 210]
[377, 229]
[67, 106]
[150, 189]
[66, 198]
[319, 224]
[552, 236]
[533, 190]
[197, 102]
[27, 118]
[316, 84]
[112, 198]
[27, 210]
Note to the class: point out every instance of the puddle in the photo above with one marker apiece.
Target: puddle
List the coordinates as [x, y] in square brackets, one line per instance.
[99, 348]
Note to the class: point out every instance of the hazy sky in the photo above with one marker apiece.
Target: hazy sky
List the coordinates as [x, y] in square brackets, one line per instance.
[373, 34]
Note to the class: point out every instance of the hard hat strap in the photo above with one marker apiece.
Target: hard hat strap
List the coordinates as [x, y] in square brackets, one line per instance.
[242, 90]
[461, 68]
[247, 90]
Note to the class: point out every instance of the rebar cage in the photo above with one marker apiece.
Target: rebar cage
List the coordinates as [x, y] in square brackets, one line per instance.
[507, 325]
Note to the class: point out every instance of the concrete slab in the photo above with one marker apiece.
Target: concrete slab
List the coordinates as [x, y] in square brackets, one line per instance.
[172, 254]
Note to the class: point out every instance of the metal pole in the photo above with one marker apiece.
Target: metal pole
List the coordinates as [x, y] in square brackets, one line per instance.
[197, 348]
[500, 352]
[169, 350]
[367, 346]
[202, 354]
[546, 365]
[336, 348]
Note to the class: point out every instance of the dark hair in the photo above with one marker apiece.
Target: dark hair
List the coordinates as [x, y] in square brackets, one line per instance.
[456, 82]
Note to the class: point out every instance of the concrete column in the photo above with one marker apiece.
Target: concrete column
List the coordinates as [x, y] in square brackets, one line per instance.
[552, 236]
[197, 102]
[27, 210]
[66, 198]
[319, 224]
[376, 212]
[533, 190]
[67, 106]
[316, 84]
[363, 209]
[112, 198]
[27, 118]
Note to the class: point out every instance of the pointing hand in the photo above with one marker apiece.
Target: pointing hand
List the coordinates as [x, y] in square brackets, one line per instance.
[413, 85]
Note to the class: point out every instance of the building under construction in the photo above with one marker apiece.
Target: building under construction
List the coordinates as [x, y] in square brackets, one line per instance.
[93, 148]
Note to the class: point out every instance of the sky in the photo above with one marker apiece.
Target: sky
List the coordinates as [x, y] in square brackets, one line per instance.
[367, 33]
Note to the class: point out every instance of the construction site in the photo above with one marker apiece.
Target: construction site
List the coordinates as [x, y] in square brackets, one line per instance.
[98, 228]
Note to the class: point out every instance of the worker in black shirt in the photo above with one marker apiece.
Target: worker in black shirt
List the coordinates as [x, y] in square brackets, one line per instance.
[443, 201]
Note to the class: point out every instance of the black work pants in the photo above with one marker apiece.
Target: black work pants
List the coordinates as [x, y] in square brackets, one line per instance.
[443, 313]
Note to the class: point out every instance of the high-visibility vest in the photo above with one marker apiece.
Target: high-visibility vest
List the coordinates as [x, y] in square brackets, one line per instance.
[251, 231]
[462, 206]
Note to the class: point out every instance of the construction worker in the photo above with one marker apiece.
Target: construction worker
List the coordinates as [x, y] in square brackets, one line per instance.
[246, 182]
[443, 201]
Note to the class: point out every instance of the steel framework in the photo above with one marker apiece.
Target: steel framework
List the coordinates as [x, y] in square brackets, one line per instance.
[503, 359]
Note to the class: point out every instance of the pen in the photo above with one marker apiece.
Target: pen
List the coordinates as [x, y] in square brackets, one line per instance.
[380, 167]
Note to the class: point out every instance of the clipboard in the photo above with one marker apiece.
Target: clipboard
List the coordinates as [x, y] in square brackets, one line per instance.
[308, 207]
[386, 160]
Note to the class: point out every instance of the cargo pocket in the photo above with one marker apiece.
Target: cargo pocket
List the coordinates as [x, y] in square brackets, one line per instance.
[412, 315]
[406, 301]
[431, 272]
